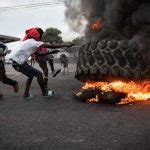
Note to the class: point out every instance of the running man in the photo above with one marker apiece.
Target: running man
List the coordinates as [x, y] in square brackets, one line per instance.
[43, 61]
[30, 45]
[3, 76]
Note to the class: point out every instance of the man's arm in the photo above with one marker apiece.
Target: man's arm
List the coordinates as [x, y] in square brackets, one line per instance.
[4, 54]
[47, 53]
[56, 46]
[44, 45]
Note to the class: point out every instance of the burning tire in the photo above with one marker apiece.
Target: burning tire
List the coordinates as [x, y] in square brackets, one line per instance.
[91, 95]
[109, 60]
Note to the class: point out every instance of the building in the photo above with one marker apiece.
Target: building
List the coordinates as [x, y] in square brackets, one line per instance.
[8, 39]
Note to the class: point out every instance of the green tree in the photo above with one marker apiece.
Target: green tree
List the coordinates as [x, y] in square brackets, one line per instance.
[78, 41]
[52, 35]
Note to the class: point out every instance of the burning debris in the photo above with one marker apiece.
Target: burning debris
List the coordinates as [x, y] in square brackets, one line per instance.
[116, 57]
[115, 92]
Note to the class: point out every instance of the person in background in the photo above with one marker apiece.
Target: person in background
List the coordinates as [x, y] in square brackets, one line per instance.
[3, 77]
[64, 62]
[29, 46]
[42, 61]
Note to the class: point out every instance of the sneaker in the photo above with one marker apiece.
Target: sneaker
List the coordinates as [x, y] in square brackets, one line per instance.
[49, 94]
[30, 96]
[55, 72]
[16, 87]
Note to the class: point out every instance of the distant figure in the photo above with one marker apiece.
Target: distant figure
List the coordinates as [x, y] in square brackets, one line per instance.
[3, 77]
[64, 62]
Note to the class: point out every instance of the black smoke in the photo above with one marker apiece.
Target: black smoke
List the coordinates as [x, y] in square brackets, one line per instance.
[121, 19]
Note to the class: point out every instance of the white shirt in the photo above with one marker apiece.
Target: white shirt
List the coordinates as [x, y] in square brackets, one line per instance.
[24, 51]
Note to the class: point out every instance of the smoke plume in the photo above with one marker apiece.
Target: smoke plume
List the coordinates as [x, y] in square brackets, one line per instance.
[121, 19]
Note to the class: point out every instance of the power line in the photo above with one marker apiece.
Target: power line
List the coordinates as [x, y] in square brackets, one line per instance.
[30, 5]
[35, 5]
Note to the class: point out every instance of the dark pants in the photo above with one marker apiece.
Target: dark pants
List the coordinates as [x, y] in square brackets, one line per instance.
[44, 67]
[3, 76]
[26, 69]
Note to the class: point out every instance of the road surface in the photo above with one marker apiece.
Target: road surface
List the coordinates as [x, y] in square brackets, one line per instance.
[63, 123]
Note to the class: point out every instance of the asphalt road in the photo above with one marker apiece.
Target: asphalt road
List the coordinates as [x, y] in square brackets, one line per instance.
[63, 123]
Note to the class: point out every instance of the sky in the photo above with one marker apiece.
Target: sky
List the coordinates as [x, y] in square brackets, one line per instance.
[14, 22]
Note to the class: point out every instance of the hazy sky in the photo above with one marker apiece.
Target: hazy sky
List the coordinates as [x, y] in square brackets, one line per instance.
[15, 21]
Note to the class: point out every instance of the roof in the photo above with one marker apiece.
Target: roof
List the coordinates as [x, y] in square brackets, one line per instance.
[8, 39]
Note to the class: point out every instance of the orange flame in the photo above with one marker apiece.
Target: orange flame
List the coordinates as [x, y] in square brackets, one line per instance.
[139, 91]
[97, 25]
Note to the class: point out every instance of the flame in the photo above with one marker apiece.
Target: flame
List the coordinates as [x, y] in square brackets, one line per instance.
[93, 100]
[97, 25]
[136, 91]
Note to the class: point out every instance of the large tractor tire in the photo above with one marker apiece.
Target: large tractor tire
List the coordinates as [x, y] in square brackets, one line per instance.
[111, 60]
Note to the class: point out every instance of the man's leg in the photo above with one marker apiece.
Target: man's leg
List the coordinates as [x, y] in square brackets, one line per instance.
[27, 88]
[10, 82]
[51, 63]
[26, 71]
[31, 72]
[64, 69]
[54, 72]
[44, 68]
[42, 85]
[40, 82]
[7, 80]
